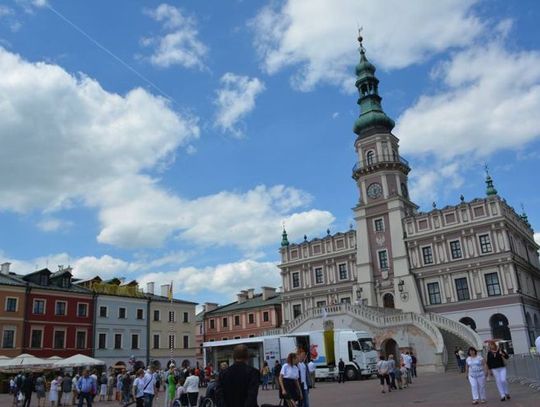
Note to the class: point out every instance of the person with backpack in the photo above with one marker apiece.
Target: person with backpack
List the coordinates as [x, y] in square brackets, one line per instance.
[382, 372]
[67, 387]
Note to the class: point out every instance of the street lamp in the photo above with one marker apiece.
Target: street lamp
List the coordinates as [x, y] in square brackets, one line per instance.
[400, 285]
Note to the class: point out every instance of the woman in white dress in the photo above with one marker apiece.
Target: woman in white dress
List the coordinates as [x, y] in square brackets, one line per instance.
[53, 391]
[477, 372]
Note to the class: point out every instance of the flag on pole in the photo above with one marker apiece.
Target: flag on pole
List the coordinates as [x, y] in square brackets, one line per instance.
[170, 292]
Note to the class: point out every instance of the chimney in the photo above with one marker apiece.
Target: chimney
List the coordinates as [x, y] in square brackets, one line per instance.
[165, 290]
[268, 292]
[250, 293]
[5, 268]
[150, 288]
[241, 296]
[209, 306]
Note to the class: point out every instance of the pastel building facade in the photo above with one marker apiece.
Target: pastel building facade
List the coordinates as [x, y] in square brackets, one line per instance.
[12, 308]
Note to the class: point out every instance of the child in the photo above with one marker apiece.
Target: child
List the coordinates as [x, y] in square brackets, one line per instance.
[404, 375]
[399, 383]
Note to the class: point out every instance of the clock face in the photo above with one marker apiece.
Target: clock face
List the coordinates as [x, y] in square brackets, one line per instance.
[374, 191]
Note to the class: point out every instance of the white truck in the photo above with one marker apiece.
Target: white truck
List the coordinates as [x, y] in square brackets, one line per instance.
[355, 348]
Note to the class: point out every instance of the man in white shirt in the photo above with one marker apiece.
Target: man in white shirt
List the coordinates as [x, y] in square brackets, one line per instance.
[149, 387]
[304, 377]
[407, 361]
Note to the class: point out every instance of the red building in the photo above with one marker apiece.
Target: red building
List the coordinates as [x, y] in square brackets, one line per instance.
[251, 315]
[58, 315]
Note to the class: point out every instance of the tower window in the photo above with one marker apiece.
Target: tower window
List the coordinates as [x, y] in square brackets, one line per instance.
[485, 243]
[455, 249]
[427, 254]
[383, 259]
[378, 225]
[370, 157]
[295, 280]
[434, 293]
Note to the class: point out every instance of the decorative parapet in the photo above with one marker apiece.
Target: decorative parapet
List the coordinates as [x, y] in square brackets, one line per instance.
[114, 289]
[457, 328]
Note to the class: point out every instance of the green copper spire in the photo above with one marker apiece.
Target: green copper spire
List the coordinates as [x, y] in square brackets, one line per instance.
[284, 240]
[371, 111]
[490, 189]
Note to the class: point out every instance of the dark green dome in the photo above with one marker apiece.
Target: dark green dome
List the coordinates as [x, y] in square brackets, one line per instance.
[364, 66]
[373, 118]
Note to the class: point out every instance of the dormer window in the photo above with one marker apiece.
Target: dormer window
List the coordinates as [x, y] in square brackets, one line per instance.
[65, 282]
[43, 279]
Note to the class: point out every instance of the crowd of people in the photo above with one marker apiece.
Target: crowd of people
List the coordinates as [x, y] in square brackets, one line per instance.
[396, 374]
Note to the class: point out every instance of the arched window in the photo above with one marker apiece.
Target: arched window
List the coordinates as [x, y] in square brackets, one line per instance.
[370, 157]
[499, 327]
[388, 300]
[469, 322]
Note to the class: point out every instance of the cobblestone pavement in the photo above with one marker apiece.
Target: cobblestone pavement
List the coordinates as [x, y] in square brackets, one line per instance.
[437, 390]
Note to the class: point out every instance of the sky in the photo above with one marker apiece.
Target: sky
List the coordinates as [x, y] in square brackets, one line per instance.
[170, 141]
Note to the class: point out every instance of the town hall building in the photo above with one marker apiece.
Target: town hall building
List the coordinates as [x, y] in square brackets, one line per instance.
[474, 263]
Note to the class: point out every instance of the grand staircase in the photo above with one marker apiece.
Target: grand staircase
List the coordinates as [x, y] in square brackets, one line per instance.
[445, 333]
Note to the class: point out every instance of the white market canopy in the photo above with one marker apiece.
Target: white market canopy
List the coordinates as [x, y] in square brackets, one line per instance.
[23, 362]
[76, 361]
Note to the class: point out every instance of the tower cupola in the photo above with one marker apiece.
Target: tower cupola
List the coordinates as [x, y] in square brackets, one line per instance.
[371, 112]
[490, 189]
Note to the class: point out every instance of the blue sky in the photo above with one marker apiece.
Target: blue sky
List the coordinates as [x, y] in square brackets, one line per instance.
[170, 141]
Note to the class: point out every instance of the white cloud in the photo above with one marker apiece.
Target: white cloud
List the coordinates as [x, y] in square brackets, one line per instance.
[490, 101]
[235, 99]
[335, 115]
[318, 36]
[179, 43]
[92, 148]
[54, 224]
[225, 279]
[145, 216]
[61, 153]
[425, 180]
[537, 238]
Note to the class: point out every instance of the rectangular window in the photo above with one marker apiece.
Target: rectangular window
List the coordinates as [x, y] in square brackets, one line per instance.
[462, 289]
[60, 308]
[140, 313]
[117, 341]
[8, 339]
[81, 339]
[186, 342]
[346, 300]
[11, 304]
[122, 313]
[316, 249]
[82, 310]
[156, 341]
[296, 280]
[379, 225]
[342, 268]
[485, 243]
[43, 279]
[383, 259]
[427, 254]
[434, 293]
[134, 341]
[321, 304]
[237, 320]
[296, 310]
[172, 342]
[39, 307]
[172, 316]
[186, 317]
[266, 316]
[212, 324]
[492, 283]
[103, 311]
[102, 341]
[455, 249]
[224, 322]
[59, 339]
[156, 315]
[318, 275]
[36, 337]
[251, 318]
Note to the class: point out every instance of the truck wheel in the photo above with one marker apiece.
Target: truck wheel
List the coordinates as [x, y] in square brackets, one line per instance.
[351, 373]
